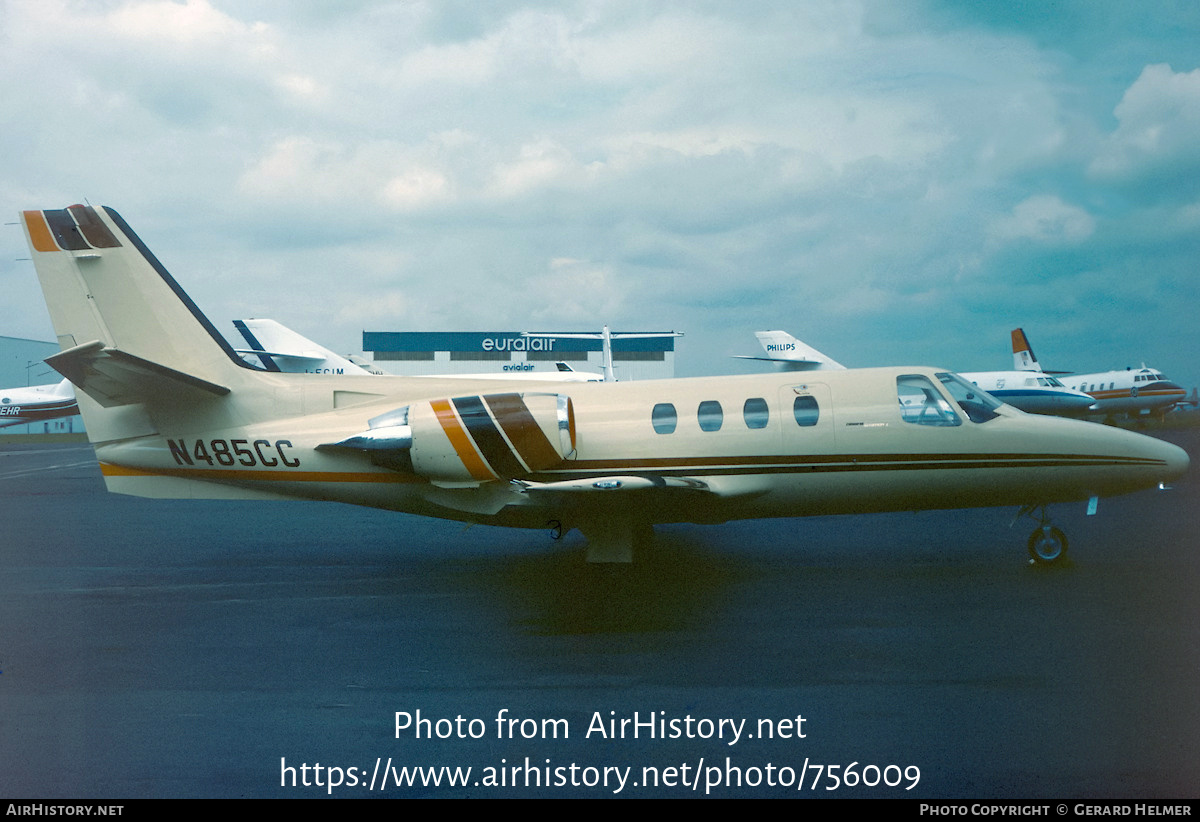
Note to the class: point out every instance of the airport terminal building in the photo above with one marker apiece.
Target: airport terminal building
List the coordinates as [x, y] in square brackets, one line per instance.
[420, 353]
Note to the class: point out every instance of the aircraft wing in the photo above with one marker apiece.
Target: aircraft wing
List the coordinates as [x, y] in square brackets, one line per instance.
[611, 485]
[112, 377]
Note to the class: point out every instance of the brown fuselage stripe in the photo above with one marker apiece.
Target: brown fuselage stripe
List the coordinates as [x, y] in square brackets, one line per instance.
[713, 467]
[488, 438]
[864, 460]
[522, 430]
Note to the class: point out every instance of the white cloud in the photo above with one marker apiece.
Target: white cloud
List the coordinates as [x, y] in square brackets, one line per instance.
[1044, 219]
[1158, 124]
[724, 163]
[171, 23]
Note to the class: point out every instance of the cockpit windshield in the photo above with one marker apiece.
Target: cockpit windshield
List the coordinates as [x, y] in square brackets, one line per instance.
[979, 405]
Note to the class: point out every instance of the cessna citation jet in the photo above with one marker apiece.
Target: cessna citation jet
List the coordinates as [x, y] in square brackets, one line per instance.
[173, 411]
[1035, 393]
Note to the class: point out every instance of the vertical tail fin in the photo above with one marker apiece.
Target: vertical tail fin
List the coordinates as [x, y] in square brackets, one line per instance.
[1023, 356]
[282, 349]
[106, 292]
[783, 347]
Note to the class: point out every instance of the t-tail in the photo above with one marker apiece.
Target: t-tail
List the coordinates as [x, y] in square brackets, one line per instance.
[129, 334]
[792, 354]
[279, 348]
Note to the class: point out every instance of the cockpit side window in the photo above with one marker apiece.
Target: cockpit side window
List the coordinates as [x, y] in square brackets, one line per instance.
[922, 404]
[979, 405]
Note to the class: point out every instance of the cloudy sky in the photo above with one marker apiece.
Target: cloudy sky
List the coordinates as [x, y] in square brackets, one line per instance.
[895, 182]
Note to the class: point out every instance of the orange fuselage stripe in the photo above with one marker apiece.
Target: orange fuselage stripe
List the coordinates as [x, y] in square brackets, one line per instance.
[461, 442]
[110, 470]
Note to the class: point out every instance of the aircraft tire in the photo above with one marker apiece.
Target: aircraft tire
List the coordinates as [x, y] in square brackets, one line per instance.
[1047, 545]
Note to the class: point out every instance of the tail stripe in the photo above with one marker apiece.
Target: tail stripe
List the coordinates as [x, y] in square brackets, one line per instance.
[66, 233]
[39, 232]
[93, 228]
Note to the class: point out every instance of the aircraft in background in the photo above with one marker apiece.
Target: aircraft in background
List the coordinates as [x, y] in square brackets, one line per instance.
[279, 348]
[791, 354]
[173, 411]
[1036, 394]
[1131, 392]
[36, 403]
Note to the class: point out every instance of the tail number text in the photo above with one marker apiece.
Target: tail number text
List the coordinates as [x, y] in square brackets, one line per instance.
[234, 452]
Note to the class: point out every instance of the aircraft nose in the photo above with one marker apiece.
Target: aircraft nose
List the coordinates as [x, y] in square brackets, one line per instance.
[1171, 461]
[1176, 459]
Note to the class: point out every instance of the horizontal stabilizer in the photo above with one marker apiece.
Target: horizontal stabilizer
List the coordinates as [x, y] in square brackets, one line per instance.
[791, 354]
[112, 377]
[292, 355]
[788, 363]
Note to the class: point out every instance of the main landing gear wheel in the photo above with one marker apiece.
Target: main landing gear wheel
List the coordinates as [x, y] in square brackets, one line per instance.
[1047, 544]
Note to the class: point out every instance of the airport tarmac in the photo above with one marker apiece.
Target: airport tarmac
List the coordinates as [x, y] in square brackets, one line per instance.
[224, 649]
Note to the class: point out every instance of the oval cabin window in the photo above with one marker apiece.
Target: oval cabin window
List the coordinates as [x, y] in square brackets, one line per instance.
[710, 415]
[755, 413]
[806, 410]
[663, 418]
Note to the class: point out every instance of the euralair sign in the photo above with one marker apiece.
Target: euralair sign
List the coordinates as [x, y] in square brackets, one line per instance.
[518, 343]
[498, 342]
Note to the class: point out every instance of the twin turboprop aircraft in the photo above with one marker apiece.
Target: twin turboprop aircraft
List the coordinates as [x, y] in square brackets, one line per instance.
[173, 411]
[1035, 393]
[1132, 391]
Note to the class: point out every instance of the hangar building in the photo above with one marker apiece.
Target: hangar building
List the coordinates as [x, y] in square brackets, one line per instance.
[420, 353]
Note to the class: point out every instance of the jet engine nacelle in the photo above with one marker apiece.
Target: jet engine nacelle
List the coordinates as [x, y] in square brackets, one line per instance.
[475, 439]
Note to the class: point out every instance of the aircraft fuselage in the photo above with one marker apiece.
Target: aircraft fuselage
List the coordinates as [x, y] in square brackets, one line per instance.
[701, 450]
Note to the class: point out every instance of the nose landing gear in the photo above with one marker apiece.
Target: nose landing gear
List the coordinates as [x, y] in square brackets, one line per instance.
[1047, 544]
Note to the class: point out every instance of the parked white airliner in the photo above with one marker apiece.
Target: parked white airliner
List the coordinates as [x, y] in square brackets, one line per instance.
[1037, 394]
[173, 411]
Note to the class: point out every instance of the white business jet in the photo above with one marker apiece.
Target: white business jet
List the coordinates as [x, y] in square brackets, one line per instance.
[173, 411]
